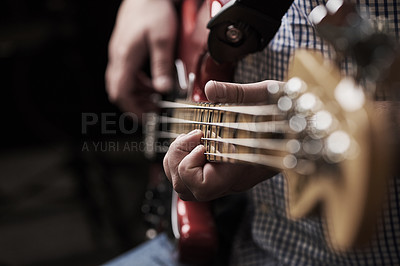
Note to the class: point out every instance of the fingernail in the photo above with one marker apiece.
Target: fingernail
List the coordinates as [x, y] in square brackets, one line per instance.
[194, 132]
[198, 148]
[217, 92]
[163, 83]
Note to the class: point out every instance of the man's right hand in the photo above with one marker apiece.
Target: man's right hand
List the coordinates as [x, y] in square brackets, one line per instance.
[143, 28]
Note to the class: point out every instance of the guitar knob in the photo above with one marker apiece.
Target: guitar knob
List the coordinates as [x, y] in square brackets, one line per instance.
[233, 34]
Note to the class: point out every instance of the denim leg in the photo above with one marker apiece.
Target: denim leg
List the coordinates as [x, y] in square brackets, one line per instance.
[158, 252]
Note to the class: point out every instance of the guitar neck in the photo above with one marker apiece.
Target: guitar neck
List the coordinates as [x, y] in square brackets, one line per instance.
[252, 134]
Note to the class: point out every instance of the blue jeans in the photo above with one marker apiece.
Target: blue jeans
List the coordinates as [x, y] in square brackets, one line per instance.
[158, 252]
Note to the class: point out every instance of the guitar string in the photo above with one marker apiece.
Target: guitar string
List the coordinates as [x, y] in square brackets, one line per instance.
[257, 127]
[256, 110]
[261, 159]
[263, 143]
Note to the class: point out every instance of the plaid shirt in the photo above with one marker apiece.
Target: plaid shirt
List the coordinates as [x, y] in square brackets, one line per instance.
[269, 237]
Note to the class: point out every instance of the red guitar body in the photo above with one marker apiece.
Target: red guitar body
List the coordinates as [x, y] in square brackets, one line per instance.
[198, 241]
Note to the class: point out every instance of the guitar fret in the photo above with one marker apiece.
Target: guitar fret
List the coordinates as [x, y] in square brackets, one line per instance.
[234, 132]
[221, 132]
[215, 131]
[221, 117]
[205, 127]
[198, 117]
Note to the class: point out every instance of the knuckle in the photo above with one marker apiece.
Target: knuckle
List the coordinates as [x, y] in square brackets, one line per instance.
[174, 147]
[239, 93]
[161, 59]
[184, 146]
[182, 169]
[162, 40]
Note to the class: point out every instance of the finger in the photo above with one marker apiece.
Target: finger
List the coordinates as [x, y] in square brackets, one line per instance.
[190, 171]
[224, 92]
[162, 45]
[171, 173]
[138, 100]
[137, 104]
[125, 59]
[178, 150]
[118, 82]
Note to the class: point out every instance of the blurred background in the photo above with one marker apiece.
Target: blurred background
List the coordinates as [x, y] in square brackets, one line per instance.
[62, 203]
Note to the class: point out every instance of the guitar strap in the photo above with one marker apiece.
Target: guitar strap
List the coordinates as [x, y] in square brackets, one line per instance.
[244, 26]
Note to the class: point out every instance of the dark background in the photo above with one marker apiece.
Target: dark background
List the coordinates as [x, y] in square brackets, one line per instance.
[60, 205]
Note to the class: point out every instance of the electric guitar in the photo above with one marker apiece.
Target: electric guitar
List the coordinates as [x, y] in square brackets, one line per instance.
[320, 130]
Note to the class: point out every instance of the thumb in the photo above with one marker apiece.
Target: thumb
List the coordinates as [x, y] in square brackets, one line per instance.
[224, 92]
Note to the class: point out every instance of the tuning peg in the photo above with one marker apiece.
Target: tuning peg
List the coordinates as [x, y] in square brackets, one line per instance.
[335, 13]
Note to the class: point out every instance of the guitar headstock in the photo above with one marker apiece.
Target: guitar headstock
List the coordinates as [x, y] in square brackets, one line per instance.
[345, 155]
[343, 162]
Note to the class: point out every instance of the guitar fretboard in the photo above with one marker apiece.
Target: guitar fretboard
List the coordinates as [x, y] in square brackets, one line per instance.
[254, 134]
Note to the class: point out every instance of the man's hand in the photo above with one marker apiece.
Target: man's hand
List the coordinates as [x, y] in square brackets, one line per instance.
[185, 165]
[143, 28]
